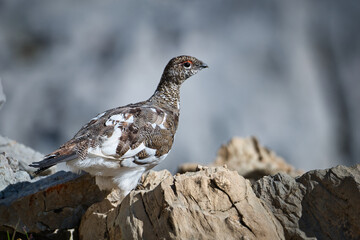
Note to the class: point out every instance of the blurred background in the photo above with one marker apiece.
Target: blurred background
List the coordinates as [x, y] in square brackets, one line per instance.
[286, 72]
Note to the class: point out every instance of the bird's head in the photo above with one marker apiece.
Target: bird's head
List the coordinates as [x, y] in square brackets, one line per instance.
[182, 67]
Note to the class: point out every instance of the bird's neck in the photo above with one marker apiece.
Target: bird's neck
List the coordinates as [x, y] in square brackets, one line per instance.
[167, 94]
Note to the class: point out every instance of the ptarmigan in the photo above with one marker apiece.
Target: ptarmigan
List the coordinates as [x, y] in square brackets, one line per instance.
[119, 145]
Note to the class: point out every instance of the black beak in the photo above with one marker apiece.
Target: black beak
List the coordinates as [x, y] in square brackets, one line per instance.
[204, 65]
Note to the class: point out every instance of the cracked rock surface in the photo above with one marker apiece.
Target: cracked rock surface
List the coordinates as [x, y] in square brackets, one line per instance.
[321, 204]
[217, 203]
[50, 204]
[213, 203]
[14, 162]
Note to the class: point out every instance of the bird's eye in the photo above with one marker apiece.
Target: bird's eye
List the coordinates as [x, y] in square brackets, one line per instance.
[187, 64]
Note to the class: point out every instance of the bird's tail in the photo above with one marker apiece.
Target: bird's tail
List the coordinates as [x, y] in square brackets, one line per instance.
[58, 156]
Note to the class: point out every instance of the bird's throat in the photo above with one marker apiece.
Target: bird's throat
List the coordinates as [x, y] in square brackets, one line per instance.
[167, 95]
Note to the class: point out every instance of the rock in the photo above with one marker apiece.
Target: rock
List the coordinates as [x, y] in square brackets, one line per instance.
[248, 158]
[187, 167]
[321, 204]
[216, 203]
[98, 217]
[2, 95]
[14, 162]
[22, 154]
[9, 172]
[251, 160]
[102, 214]
[213, 203]
[53, 203]
[209, 203]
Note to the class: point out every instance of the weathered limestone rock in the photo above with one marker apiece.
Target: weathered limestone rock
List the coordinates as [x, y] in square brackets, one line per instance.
[19, 151]
[14, 162]
[103, 214]
[249, 159]
[322, 204]
[9, 172]
[213, 203]
[21, 155]
[53, 203]
[187, 167]
[216, 203]
[96, 222]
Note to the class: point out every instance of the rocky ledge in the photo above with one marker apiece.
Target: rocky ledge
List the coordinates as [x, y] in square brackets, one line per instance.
[212, 202]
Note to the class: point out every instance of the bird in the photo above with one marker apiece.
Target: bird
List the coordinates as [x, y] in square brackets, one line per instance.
[119, 145]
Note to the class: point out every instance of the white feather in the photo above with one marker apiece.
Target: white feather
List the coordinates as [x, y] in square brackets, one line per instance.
[161, 125]
[118, 119]
[127, 179]
[133, 152]
[108, 148]
[110, 144]
[124, 173]
[98, 116]
[97, 166]
[150, 151]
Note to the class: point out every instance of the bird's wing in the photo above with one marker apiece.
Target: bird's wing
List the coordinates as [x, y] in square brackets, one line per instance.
[132, 132]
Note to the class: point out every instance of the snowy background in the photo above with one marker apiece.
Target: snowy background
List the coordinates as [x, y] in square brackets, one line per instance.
[286, 72]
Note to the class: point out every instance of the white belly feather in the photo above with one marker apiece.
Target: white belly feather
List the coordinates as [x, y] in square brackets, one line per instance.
[124, 173]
